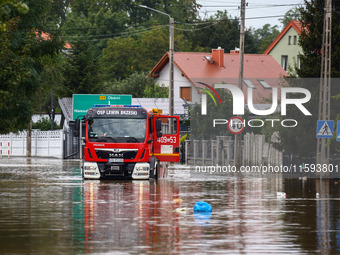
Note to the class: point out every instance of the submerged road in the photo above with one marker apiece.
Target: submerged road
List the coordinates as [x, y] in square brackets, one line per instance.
[46, 207]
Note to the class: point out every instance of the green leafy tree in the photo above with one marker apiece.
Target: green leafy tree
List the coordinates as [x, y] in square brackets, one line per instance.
[10, 9]
[292, 14]
[219, 30]
[21, 53]
[265, 36]
[45, 124]
[301, 140]
[81, 72]
[201, 126]
[124, 56]
[156, 91]
[137, 85]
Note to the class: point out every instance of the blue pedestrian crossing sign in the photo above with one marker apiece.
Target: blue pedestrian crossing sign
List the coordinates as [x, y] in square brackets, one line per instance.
[338, 131]
[325, 129]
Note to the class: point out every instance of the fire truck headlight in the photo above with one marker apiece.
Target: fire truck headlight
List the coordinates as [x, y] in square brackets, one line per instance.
[141, 171]
[90, 170]
[143, 168]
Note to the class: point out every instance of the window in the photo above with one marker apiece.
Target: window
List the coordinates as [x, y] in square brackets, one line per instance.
[186, 93]
[289, 40]
[295, 40]
[264, 84]
[249, 84]
[284, 62]
[117, 130]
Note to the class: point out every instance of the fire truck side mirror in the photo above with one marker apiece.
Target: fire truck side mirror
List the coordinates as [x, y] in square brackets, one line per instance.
[159, 134]
[158, 125]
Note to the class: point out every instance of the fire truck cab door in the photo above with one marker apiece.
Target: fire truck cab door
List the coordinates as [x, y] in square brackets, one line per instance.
[166, 147]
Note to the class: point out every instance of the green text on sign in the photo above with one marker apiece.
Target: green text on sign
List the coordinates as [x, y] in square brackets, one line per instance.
[83, 102]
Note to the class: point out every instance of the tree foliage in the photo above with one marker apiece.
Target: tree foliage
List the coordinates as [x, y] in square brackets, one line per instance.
[114, 44]
[21, 53]
[138, 85]
[265, 36]
[292, 14]
[45, 124]
[301, 140]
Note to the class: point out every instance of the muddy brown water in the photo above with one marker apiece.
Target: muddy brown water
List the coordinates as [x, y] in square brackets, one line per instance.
[45, 207]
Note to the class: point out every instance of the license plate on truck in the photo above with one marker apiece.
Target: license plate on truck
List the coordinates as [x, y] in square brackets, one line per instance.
[115, 160]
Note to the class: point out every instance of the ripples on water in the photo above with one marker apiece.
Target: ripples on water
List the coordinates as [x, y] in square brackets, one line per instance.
[46, 207]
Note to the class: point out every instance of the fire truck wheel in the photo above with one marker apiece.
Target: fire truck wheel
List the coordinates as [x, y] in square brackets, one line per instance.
[157, 169]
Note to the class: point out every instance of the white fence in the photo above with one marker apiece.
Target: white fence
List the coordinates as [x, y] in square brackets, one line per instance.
[43, 144]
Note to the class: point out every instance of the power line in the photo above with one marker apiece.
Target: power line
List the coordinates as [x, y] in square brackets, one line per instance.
[120, 33]
[123, 36]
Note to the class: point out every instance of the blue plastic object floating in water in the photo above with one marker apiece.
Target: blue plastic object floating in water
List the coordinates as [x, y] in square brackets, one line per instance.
[202, 207]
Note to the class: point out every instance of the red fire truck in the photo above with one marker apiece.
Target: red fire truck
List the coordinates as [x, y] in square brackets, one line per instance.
[128, 142]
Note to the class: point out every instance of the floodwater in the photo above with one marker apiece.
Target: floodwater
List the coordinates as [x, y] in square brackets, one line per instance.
[45, 207]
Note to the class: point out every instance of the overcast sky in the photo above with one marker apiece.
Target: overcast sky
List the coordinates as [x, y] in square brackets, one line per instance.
[257, 11]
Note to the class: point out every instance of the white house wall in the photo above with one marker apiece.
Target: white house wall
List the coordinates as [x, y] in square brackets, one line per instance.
[179, 81]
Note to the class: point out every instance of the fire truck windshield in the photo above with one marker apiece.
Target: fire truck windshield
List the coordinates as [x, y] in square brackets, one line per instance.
[117, 130]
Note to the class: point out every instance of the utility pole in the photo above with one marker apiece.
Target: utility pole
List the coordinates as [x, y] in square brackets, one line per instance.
[171, 75]
[238, 147]
[171, 65]
[322, 154]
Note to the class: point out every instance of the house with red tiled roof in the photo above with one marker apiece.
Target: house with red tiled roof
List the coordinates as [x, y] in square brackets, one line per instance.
[285, 49]
[261, 73]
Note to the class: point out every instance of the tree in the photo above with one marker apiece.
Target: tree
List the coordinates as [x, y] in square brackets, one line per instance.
[265, 36]
[21, 52]
[292, 14]
[219, 30]
[10, 9]
[81, 72]
[124, 56]
[301, 139]
[138, 85]
[311, 39]
[201, 126]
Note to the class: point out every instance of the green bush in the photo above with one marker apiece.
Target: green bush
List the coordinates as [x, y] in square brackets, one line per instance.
[44, 124]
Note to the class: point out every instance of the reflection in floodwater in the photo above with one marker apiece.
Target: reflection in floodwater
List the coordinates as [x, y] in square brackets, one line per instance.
[118, 215]
[46, 206]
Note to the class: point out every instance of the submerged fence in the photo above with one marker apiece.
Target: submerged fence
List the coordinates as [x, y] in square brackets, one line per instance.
[43, 144]
[255, 151]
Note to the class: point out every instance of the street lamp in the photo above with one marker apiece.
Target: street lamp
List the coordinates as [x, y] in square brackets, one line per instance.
[171, 64]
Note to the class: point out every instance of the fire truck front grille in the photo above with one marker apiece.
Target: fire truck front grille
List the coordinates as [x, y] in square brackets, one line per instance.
[106, 154]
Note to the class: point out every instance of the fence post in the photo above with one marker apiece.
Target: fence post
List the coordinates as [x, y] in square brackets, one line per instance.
[203, 151]
[29, 141]
[187, 142]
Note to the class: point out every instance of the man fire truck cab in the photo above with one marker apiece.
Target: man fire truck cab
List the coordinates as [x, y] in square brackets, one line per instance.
[127, 142]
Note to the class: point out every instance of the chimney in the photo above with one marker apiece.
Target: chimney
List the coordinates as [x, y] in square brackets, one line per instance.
[236, 51]
[218, 56]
